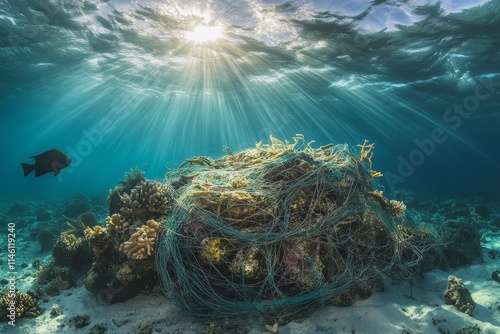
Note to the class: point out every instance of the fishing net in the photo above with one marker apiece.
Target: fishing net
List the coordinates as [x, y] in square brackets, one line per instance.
[280, 230]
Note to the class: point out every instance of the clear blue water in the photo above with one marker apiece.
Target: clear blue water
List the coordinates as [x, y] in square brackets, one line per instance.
[124, 84]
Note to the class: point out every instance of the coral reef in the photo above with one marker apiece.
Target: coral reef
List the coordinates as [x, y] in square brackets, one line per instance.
[124, 248]
[18, 304]
[146, 198]
[462, 245]
[42, 215]
[481, 210]
[457, 294]
[98, 329]
[73, 252]
[283, 222]
[55, 278]
[55, 286]
[455, 209]
[279, 229]
[141, 243]
[132, 178]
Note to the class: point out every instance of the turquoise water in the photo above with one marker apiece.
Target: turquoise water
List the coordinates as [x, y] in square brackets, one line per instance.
[124, 84]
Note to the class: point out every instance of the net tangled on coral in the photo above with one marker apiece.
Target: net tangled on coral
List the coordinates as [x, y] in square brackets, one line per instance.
[278, 230]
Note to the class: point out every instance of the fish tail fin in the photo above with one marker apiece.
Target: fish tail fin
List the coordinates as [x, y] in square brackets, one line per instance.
[27, 168]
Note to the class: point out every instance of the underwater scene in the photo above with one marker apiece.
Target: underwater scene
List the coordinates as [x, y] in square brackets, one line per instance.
[246, 166]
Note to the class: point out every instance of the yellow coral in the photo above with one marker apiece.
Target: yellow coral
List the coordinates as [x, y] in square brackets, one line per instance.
[141, 243]
[70, 241]
[22, 304]
[211, 250]
[90, 233]
[366, 155]
[114, 223]
[239, 182]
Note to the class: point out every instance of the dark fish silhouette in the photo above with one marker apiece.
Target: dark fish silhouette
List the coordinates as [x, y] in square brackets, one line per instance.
[50, 161]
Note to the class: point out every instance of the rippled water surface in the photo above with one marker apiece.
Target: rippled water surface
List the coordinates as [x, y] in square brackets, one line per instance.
[119, 84]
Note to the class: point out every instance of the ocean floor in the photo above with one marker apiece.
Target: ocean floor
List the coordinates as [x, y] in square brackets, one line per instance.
[415, 306]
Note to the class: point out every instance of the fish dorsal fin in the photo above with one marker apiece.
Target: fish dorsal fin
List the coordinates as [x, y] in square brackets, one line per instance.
[43, 153]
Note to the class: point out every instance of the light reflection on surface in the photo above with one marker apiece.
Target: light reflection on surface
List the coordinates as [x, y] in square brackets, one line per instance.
[202, 33]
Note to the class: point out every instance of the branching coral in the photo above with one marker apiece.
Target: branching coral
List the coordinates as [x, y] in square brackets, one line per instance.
[69, 242]
[55, 286]
[94, 232]
[146, 198]
[141, 243]
[366, 155]
[115, 223]
[48, 272]
[132, 178]
[18, 305]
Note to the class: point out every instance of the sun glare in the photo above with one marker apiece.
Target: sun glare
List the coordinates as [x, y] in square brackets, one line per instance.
[203, 33]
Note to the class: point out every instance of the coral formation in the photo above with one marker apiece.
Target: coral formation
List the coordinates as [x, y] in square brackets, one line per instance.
[55, 286]
[124, 248]
[114, 223]
[462, 243]
[283, 222]
[481, 210]
[141, 243]
[397, 208]
[73, 252]
[42, 215]
[457, 294]
[366, 155]
[19, 304]
[132, 178]
[55, 278]
[146, 198]
[278, 229]
[18, 209]
[55, 310]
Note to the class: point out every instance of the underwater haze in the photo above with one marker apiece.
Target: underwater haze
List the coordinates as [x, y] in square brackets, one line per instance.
[121, 84]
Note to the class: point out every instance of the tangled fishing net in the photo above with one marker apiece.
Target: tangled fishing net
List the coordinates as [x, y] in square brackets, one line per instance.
[280, 230]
